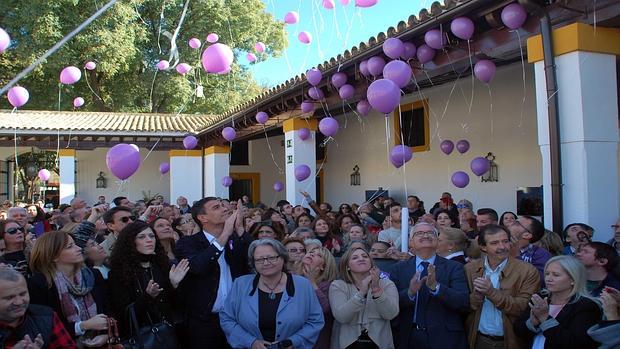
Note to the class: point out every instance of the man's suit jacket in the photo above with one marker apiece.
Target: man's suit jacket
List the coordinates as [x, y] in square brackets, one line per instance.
[440, 314]
[199, 288]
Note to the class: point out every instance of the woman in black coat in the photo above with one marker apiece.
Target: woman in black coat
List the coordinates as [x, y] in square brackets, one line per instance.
[561, 319]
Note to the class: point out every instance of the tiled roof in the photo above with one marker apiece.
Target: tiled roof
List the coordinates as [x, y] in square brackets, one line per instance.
[103, 122]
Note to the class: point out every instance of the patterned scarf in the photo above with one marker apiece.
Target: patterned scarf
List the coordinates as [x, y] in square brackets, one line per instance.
[76, 301]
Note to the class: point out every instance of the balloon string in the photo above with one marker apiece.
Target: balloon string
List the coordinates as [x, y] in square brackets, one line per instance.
[91, 89]
[15, 141]
[491, 110]
[271, 151]
[58, 147]
[69, 141]
[59, 94]
[161, 20]
[471, 67]
[387, 138]
[151, 92]
[523, 75]
[316, 29]
[152, 148]
[431, 111]
[402, 142]
[174, 51]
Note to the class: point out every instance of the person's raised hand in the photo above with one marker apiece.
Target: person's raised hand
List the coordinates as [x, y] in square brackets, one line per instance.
[177, 272]
[482, 285]
[431, 279]
[96, 212]
[540, 308]
[416, 283]
[610, 306]
[28, 343]
[153, 289]
[239, 228]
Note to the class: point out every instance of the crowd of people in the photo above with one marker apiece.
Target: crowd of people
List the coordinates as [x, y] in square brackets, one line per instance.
[233, 274]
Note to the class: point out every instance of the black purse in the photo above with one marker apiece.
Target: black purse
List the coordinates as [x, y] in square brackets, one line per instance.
[363, 342]
[153, 336]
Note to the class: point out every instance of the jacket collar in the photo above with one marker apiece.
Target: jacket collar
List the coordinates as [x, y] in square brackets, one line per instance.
[290, 286]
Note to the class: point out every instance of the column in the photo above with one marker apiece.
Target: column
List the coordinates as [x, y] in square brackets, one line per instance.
[299, 152]
[216, 166]
[588, 118]
[66, 167]
[185, 175]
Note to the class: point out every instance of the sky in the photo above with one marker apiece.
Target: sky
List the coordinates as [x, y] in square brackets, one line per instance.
[333, 32]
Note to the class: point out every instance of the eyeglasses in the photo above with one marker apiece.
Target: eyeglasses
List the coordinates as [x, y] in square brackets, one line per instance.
[522, 226]
[429, 234]
[271, 260]
[296, 250]
[128, 218]
[12, 231]
[461, 206]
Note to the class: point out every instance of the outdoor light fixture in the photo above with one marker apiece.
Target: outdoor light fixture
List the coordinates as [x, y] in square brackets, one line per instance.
[101, 181]
[492, 174]
[355, 176]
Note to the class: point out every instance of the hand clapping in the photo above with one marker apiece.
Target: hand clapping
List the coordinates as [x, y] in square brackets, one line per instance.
[177, 272]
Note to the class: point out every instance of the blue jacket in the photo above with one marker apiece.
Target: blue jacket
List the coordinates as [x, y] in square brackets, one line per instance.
[299, 317]
[441, 313]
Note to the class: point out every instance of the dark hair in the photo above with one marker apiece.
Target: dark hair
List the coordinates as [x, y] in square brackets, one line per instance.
[536, 228]
[108, 216]
[330, 225]
[125, 258]
[198, 208]
[491, 229]
[304, 214]
[117, 200]
[605, 251]
[584, 226]
[281, 204]
[501, 219]
[3, 224]
[488, 211]
[152, 225]
[387, 245]
[175, 225]
[329, 207]
[63, 207]
[278, 229]
[40, 213]
[343, 216]
[453, 218]
[420, 202]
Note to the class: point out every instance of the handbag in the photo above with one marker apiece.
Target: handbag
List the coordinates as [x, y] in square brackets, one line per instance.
[159, 335]
[363, 342]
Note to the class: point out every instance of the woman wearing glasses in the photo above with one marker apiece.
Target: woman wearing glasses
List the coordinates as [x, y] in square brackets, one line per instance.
[296, 251]
[285, 305]
[185, 225]
[15, 244]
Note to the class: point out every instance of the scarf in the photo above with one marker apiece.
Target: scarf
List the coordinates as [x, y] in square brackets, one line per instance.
[76, 300]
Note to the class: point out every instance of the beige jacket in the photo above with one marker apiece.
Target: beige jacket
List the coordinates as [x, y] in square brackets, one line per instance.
[351, 314]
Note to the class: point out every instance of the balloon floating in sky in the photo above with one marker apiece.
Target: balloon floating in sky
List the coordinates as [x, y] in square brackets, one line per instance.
[90, 65]
[316, 93]
[514, 16]
[183, 68]
[363, 107]
[399, 72]
[329, 126]
[460, 179]
[302, 172]
[329, 4]
[304, 133]
[393, 48]
[344, 2]
[409, 51]
[229, 133]
[425, 54]
[314, 76]
[44, 174]
[434, 38]
[262, 117]
[383, 95]
[484, 70]
[364, 68]
[227, 181]
[217, 58]
[5, 40]
[190, 142]
[18, 96]
[339, 79]
[194, 43]
[212, 38]
[400, 154]
[251, 57]
[462, 146]
[163, 64]
[164, 168]
[375, 65]
[307, 107]
[346, 91]
[123, 160]
[462, 28]
[366, 3]
[278, 186]
[291, 17]
[78, 102]
[304, 37]
[447, 146]
[479, 166]
[70, 75]
[259, 47]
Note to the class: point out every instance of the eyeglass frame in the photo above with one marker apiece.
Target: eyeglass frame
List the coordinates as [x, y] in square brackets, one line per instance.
[13, 231]
[296, 250]
[126, 219]
[270, 259]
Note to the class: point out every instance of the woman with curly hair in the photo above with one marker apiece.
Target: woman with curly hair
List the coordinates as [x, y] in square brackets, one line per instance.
[267, 230]
[140, 274]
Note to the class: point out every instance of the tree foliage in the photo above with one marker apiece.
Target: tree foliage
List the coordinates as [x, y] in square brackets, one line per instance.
[126, 43]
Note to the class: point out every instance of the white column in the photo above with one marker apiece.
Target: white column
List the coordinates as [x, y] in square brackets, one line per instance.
[588, 116]
[185, 175]
[216, 167]
[66, 167]
[299, 152]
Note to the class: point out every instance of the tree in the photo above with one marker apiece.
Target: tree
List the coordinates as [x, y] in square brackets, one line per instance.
[126, 43]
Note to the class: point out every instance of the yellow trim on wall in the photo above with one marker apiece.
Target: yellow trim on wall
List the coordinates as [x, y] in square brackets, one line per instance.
[173, 153]
[252, 176]
[66, 152]
[408, 107]
[294, 124]
[217, 149]
[576, 37]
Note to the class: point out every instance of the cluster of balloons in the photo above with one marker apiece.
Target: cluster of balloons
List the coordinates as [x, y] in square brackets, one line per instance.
[478, 165]
[447, 146]
[123, 160]
[400, 154]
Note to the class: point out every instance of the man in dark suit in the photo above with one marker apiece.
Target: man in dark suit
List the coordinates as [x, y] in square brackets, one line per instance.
[217, 255]
[433, 295]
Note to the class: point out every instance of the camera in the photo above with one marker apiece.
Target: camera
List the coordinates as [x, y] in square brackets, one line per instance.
[281, 345]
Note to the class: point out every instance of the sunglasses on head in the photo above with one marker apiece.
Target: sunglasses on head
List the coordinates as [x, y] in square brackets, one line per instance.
[14, 230]
[128, 218]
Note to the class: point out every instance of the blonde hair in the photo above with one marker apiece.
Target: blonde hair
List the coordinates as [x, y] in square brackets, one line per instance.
[345, 273]
[576, 271]
[44, 252]
[330, 271]
[456, 236]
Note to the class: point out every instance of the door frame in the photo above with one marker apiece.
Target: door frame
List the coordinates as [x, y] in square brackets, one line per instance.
[254, 177]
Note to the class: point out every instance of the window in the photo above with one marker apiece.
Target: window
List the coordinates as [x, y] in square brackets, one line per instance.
[414, 130]
[240, 153]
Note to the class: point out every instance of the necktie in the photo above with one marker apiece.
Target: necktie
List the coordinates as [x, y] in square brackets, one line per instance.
[424, 273]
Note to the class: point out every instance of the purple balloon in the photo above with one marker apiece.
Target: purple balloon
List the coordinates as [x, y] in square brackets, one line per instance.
[409, 51]
[400, 154]
[462, 146]
[364, 68]
[398, 72]
[393, 48]
[339, 79]
[484, 70]
[262, 117]
[278, 186]
[363, 107]
[190, 142]
[44, 174]
[434, 38]
[329, 126]
[70, 75]
[514, 15]
[383, 95]
[479, 166]
[302, 172]
[194, 43]
[18, 96]
[250, 57]
[462, 28]
[5, 40]
[460, 179]
[163, 65]
[78, 102]
[307, 107]
[123, 160]
[229, 133]
[164, 168]
[291, 17]
[90, 65]
[227, 181]
[447, 146]
[316, 93]
[425, 54]
[346, 91]
[314, 76]
[304, 133]
[183, 68]
[217, 58]
[375, 65]
[212, 38]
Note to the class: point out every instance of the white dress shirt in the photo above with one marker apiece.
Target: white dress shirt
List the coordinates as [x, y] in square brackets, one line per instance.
[226, 281]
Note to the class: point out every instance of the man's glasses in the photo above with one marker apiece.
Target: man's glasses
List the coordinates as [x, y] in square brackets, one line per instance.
[128, 218]
[13, 231]
[262, 261]
[522, 226]
[429, 234]
[296, 250]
